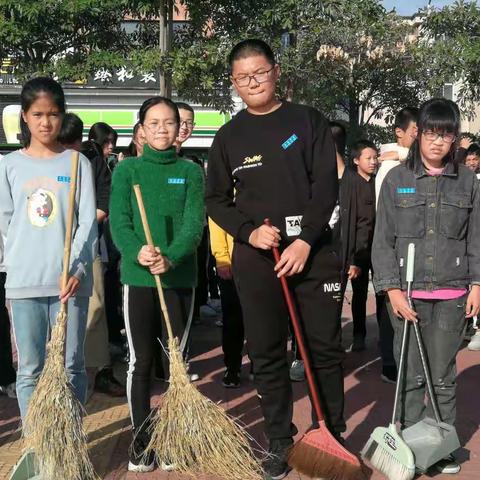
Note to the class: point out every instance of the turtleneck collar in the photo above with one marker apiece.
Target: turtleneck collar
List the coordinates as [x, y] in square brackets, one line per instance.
[159, 156]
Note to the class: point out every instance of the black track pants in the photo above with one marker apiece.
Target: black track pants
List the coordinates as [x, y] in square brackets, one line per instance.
[142, 314]
[232, 330]
[317, 291]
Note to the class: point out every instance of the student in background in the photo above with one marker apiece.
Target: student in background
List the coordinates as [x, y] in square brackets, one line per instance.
[472, 160]
[232, 324]
[135, 149]
[106, 137]
[97, 356]
[364, 158]
[392, 154]
[339, 135]
[187, 124]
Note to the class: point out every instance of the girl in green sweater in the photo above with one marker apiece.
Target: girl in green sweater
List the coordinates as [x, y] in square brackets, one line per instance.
[173, 193]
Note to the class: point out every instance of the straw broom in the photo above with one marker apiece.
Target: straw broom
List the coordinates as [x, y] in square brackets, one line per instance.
[53, 426]
[190, 431]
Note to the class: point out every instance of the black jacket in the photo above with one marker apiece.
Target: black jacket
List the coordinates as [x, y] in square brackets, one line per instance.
[282, 166]
[356, 226]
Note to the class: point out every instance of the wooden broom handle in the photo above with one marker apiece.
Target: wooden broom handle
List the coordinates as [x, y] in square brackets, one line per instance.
[148, 236]
[67, 247]
[312, 385]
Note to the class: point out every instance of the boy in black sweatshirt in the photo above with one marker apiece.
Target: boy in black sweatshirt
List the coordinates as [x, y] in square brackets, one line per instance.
[276, 160]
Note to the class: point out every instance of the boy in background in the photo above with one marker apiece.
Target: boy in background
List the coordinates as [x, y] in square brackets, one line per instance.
[472, 160]
[392, 154]
[364, 157]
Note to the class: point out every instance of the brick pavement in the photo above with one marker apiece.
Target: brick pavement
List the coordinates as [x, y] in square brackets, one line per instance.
[368, 404]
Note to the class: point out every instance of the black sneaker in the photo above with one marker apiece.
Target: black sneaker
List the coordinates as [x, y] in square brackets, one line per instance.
[275, 465]
[141, 461]
[231, 379]
[389, 374]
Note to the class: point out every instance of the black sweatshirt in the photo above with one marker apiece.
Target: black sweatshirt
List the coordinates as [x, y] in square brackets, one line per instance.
[281, 165]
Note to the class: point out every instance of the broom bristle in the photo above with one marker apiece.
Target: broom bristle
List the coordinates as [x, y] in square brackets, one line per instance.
[196, 435]
[319, 455]
[53, 426]
[386, 463]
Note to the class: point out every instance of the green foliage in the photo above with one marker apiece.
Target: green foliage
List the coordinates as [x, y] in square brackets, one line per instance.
[346, 57]
[451, 50]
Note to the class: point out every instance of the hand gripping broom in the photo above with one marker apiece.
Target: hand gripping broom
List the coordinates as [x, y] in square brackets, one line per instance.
[318, 454]
[53, 425]
[190, 431]
[386, 449]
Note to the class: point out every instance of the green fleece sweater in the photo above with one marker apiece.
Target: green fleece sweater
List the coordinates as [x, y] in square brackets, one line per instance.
[173, 194]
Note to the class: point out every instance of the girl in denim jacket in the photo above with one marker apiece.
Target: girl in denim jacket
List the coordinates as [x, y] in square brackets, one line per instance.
[434, 202]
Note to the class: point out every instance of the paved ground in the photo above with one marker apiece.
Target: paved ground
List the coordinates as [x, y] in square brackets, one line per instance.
[368, 404]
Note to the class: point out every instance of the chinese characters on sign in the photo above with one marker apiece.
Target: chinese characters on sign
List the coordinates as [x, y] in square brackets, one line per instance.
[111, 77]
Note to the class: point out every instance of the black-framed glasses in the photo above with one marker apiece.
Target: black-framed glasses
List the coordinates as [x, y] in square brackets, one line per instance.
[187, 123]
[261, 77]
[433, 136]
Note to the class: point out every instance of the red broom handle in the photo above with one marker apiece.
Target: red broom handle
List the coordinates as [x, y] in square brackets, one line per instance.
[299, 337]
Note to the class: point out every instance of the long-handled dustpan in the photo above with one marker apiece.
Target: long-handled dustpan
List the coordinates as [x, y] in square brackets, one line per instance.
[431, 440]
[385, 449]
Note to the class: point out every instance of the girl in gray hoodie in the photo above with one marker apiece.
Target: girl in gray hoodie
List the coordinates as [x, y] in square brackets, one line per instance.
[34, 186]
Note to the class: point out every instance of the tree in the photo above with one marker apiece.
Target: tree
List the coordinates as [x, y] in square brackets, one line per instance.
[71, 39]
[336, 54]
[451, 50]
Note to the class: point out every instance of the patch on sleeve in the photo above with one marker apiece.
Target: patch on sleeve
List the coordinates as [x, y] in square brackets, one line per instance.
[293, 225]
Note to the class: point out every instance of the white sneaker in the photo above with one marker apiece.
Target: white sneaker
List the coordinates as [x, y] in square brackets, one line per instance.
[141, 467]
[475, 342]
[10, 390]
[194, 377]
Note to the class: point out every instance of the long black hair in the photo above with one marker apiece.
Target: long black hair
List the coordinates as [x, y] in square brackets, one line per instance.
[439, 115]
[30, 92]
[131, 150]
[102, 133]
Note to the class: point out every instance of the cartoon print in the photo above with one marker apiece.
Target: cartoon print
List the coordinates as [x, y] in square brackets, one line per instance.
[42, 207]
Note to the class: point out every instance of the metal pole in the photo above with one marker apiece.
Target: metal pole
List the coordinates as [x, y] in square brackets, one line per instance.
[162, 41]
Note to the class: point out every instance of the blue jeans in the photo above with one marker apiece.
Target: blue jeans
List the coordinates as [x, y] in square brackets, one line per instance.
[33, 319]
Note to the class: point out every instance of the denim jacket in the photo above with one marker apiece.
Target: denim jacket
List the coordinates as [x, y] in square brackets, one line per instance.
[441, 216]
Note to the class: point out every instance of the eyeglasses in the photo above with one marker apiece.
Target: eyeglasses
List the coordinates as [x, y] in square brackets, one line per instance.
[156, 127]
[189, 124]
[244, 80]
[433, 136]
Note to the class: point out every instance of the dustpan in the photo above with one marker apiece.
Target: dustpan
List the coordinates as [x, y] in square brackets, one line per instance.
[430, 439]
[25, 469]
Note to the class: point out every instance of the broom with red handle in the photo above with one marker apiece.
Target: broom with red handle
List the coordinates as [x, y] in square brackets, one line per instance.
[317, 454]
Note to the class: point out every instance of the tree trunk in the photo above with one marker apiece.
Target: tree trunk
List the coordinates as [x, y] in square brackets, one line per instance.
[353, 113]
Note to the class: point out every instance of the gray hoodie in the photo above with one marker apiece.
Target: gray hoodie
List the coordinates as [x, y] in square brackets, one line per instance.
[33, 211]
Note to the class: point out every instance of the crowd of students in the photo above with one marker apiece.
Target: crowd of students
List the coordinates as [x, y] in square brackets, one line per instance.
[336, 218]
